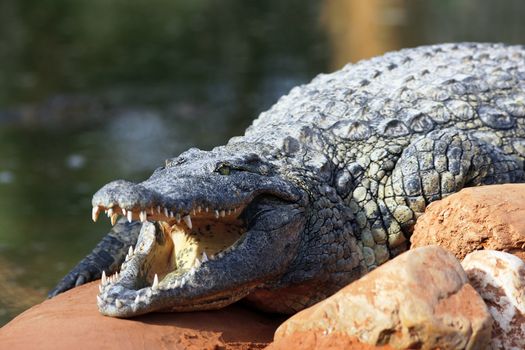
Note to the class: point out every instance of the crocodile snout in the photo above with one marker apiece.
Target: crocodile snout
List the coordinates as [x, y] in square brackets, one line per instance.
[124, 194]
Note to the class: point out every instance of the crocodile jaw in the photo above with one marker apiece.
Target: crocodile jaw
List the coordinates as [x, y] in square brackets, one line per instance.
[177, 266]
[158, 275]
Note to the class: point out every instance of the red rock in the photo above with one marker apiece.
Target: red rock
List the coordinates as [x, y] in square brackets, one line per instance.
[72, 321]
[317, 340]
[476, 218]
[421, 299]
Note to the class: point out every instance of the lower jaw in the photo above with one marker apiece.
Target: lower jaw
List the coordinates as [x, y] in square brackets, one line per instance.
[118, 300]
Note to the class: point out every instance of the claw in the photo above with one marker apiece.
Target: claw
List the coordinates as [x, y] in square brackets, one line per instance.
[80, 280]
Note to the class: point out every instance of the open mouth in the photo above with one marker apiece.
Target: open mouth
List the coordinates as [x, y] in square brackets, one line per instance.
[172, 250]
[184, 242]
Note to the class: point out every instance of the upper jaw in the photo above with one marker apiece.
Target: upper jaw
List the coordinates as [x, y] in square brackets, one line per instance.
[169, 198]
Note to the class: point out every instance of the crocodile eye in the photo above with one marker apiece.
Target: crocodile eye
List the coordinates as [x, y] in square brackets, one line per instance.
[224, 169]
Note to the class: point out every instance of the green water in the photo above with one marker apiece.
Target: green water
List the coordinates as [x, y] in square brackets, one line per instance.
[92, 91]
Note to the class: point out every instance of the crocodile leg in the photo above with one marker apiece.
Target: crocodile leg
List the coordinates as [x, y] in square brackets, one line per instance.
[107, 255]
[435, 166]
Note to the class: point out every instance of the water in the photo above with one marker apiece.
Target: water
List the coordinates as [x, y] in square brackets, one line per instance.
[92, 91]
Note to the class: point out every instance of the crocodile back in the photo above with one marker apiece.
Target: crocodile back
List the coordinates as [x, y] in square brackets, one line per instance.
[408, 93]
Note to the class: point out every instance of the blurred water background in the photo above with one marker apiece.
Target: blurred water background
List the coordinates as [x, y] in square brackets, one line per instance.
[92, 91]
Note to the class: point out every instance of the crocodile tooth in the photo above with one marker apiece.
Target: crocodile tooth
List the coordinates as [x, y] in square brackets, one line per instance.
[99, 300]
[199, 209]
[177, 217]
[152, 211]
[197, 263]
[129, 214]
[123, 211]
[117, 275]
[118, 303]
[207, 209]
[192, 271]
[110, 212]
[143, 216]
[100, 288]
[187, 220]
[176, 284]
[104, 278]
[114, 219]
[182, 281]
[217, 214]
[130, 251]
[166, 213]
[204, 257]
[223, 213]
[155, 284]
[229, 212]
[158, 209]
[137, 299]
[94, 213]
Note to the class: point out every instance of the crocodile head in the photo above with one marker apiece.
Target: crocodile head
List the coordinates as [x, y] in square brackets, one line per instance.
[209, 220]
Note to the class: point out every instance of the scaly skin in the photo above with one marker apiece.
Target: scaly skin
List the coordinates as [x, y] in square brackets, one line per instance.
[327, 184]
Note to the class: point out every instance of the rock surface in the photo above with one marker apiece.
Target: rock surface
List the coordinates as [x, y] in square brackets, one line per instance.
[421, 299]
[311, 340]
[500, 280]
[486, 217]
[72, 321]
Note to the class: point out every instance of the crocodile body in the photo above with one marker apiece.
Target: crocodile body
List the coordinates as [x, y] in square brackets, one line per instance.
[323, 187]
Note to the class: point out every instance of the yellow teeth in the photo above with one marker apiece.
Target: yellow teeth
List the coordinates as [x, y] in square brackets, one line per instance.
[156, 214]
[155, 284]
[187, 220]
[94, 213]
[113, 219]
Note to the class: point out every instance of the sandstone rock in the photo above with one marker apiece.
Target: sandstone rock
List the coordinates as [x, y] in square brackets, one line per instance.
[311, 340]
[421, 299]
[486, 217]
[500, 280]
[72, 321]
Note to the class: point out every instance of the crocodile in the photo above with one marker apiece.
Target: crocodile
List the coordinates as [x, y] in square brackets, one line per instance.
[322, 188]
